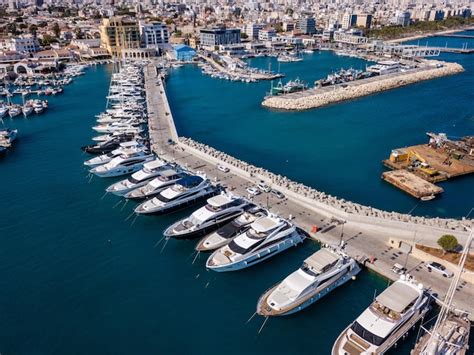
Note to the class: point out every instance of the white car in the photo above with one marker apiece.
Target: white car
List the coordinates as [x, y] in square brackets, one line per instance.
[223, 168]
[440, 269]
[399, 269]
[253, 191]
[263, 187]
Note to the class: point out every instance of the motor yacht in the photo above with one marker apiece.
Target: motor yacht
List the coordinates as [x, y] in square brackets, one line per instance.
[186, 192]
[127, 163]
[123, 148]
[118, 127]
[14, 111]
[150, 170]
[266, 237]
[165, 179]
[219, 210]
[3, 111]
[27, 110]
[229, 231]
[320, 273]
[385, 320]
[8, 135]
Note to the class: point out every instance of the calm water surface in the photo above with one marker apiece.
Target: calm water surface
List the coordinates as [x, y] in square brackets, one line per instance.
[77, 278]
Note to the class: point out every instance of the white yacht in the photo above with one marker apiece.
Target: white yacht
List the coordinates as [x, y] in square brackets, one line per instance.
[3, 110]
[321, 273]
[187, 191]
[117, 127]
[388, 318]
[266, 237]
[124, 148]
[219, 210]
[165, 179]
[229, 231]
[127, 163]
[140, 178]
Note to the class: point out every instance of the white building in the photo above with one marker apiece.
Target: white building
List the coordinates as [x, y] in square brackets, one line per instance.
[402, 18]
[20, 44]
[252, 30]
[266, 34]
[154, 35]
[353, 37]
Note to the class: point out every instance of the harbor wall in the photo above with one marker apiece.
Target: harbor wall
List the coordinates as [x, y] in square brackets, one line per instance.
[373, 220]
[313, 99]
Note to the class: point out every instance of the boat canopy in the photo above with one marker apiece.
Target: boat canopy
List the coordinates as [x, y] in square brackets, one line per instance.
[398, 296]
[154, 164]
[320, 260]
[264, 224]
[219, 200]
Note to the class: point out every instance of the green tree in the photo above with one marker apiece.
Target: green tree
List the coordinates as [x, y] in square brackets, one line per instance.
[78, 33]
[243, 35]
[33, 30]
[56, 29]
[448, 242]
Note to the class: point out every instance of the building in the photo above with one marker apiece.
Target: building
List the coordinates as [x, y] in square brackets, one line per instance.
[436, 15]
[364, 20]
[118, 33]
[348, 20]
[154, 35]
[220, 35]
[352, 37]
[266, 34]
[20, 44]
[288, 26]
[307, 25]
[402, 18]
[252, 30]
[183, 53]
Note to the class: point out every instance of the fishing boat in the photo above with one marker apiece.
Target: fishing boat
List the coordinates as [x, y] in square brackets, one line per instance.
[266, 237]
[320, 274]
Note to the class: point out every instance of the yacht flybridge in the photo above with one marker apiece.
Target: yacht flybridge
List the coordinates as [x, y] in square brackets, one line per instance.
[186, 192]
[164, 180]
[321, 273]
[266, 237]
[219, 210]
[387, 319]
[229, 231]
[128, 162]
[140, 178]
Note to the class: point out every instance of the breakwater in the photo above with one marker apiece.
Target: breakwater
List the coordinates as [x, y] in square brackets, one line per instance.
[319, 97]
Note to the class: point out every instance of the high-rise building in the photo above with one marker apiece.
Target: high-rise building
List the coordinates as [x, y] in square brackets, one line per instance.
[307, 25]
[252, 30]
[348, 20]
[119, 33]
[364, 20]
[402, 18]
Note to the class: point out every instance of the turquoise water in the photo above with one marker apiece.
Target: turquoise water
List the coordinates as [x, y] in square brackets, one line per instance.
[78, 278]
[339, 148]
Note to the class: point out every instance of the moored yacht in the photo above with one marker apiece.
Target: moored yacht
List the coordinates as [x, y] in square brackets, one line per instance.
[165, 179]
[219, 210]
[229, 231]
[140, 178]
[125, 147]
[266, 237]
[187, 191]
[388, 318]
[127, 163]
[320, 273]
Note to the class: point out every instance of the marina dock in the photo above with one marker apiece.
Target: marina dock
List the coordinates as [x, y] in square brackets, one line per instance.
[319, 97]
[417, 168]
[366, 230]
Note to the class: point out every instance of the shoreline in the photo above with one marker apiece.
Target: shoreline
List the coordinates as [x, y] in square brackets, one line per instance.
[428, 34]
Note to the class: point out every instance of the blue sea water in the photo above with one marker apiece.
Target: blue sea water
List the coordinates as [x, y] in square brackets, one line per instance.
[337, 149]
[78, 278]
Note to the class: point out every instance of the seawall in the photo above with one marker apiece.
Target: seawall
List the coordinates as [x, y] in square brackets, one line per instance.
[318, 97]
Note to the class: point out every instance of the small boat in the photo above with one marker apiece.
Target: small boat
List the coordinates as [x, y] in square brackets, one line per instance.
[428, 198]
[14, 111]
[8, 135]
[320, 274]
[218, 211]
[186, 192]
[266, 237]
[27, 110]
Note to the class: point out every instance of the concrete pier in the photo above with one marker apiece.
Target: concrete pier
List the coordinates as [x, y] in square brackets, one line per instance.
[319, 97]
[327, 219]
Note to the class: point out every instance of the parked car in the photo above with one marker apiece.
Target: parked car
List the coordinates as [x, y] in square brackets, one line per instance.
[399, 269]
[223, 168]
[264, 187]
[253, 191]
[440, 269]
[277, 194]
